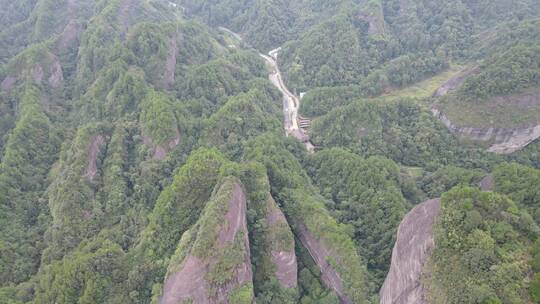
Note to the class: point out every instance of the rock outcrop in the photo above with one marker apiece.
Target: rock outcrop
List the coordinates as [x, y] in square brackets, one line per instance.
[412, 249]
[487, 183]
[159, 152]
[504, 140]
[321, 254]
[46, 71]
[170, 63]
[280, 243]
[216, 257]
[373, 14]
[8, 83]
[92, 154]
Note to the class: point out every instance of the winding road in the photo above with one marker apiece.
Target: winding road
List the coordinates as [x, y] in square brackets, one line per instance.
[291, 102]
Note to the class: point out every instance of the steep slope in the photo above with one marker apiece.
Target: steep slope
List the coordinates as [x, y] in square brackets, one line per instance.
[329, 245]
[280, 246]
[212, 263]
[500, 98]
[143, 158]
[472, 257]
[414, 244]
[29, 155]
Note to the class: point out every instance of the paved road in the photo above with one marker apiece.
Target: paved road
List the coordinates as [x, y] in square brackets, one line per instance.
[291, 102]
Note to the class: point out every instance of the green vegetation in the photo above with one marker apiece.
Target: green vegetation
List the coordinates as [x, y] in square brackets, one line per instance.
[400, 129]
[520, 183]
[91, 91]
[242, 295]
[76, 214]
[481, 253]
[204, 242]
[242, 117]
[367, 196]
[306, 212]
[505, 73]
[493, 97]
[29, 154]
[92, 274]
[321, 100]
[157, 119]
[183, 200]
[434, 184]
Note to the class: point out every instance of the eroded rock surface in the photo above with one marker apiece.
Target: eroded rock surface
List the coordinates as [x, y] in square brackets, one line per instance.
[170, 63]
[412, 249]
[487, 183]
[56, 77]
[37, 74]
[190, 282]
[284, 260]
[321, 254]
[518, 139]
[69, 36]
[160, 151]
[124, 14]
[93, 151]
[8, 83]
[505, 140]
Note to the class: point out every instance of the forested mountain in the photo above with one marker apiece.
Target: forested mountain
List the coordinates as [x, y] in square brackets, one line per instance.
[144, 159]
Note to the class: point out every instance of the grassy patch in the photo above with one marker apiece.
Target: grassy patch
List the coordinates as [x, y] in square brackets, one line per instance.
[427, 87]
[414, 172]
[242, 295]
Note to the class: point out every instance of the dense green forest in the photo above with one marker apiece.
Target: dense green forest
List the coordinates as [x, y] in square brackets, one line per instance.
[140, 145]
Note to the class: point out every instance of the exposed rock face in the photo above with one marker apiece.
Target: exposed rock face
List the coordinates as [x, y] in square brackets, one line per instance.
[519, 139]
[487, 183]
[505, 141]
[404, 6]
[160, 152]
[286, 268]
[320, 254]
[40, 73]
[8, 83]
[188, 283]
[93, 150]
[412, 249]
[124, 14]
[56, 77]
[375, 20]
[284, 260]
[69, 36]
[455, 82]
[37, 73]
[170, 64]
[191, 283]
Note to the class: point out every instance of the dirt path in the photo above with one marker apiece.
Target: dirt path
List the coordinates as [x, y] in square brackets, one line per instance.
[412, 249]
